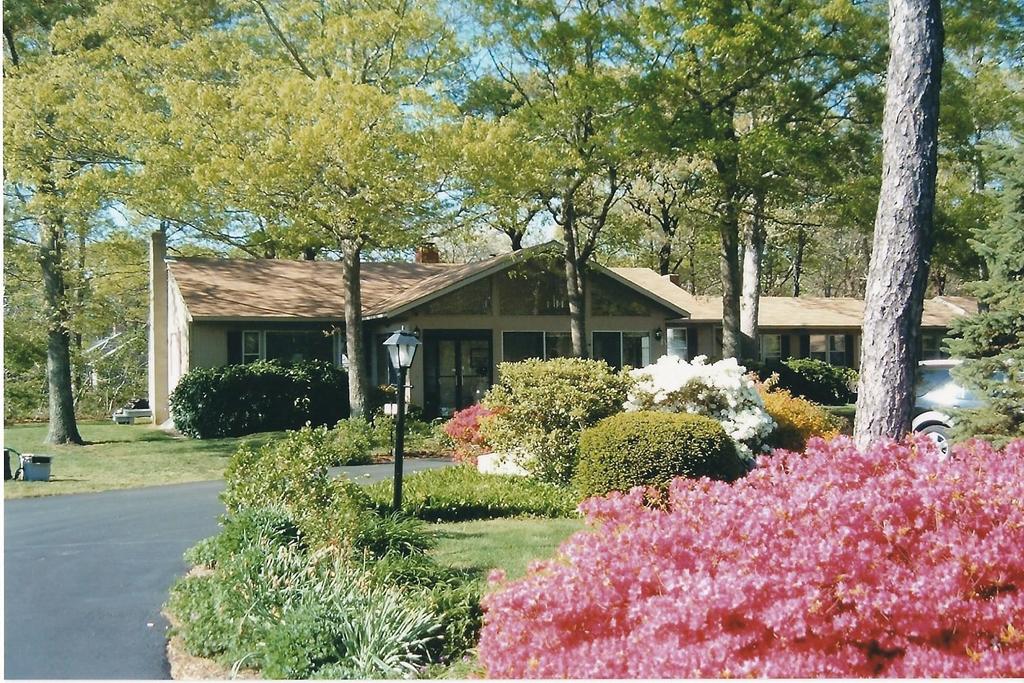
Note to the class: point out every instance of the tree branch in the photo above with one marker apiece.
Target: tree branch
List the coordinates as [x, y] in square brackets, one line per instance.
[284, 41]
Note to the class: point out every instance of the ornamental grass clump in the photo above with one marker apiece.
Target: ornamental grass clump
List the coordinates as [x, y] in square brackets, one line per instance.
[832, 563]
[721, 391]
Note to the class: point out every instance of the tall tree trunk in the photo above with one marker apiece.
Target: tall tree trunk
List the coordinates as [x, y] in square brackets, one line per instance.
[62, 429]
[358, 389]
[798, 259]
[80, 371]
[727, 166]
[753, 253]
[898, 273]
[515, 237]
[574, 282]
[665, 257]
[691, 262]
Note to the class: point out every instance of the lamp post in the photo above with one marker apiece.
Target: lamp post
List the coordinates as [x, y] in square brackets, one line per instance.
[401, 347]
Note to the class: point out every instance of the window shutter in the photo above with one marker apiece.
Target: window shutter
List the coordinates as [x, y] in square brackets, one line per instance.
[805, 346]
[234, 347]
[785, 347]
[849, 351]
[691, 343]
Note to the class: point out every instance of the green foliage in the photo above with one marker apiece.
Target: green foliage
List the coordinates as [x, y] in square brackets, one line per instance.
[797, 420]
[252, 526]
[544, 405]
[453, 593]
[650, 449]
[291, 613]
[292, 474]
[353, 441]
[308, 580]
[461, 493]
[233, 400]
[992, 341]
[814, 380]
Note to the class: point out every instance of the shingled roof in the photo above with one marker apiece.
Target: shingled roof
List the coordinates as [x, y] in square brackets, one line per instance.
[247, 289]
[795, 312]
[226, 289]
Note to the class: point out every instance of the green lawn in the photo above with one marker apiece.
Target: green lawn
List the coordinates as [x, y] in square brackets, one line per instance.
[120, 456]
[509, 544]
[482, 545]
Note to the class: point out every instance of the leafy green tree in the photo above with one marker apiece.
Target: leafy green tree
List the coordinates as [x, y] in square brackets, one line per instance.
[61, 147]
[312, 126]
[736, 83]
[992, 342]
[566, 66]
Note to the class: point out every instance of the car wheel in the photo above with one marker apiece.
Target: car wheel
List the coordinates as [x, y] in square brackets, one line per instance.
[940, 435]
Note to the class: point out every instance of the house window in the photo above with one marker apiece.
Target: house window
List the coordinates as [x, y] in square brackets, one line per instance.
[252, 346]
[473, 299]
[830, 348]
[771, 347]
[837, 351]
[619, 349]
[295, 346]
[557, 345]
[608, 297]
[931, 346]
[386, 373]
[719, 343]
[676, 338]
[518, 346]
[532, 290]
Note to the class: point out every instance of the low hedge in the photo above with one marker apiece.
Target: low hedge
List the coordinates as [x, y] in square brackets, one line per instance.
[814, 380]
[234, 400]
[650, 449]
[461, 493]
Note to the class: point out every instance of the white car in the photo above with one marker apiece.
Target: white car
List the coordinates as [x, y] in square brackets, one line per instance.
[937, 394]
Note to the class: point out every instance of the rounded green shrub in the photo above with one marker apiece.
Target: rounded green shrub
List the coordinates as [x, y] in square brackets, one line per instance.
[234, 400]
[542, 406]
[652, 448]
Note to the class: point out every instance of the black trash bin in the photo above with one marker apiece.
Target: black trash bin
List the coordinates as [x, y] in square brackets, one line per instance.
[8, 475]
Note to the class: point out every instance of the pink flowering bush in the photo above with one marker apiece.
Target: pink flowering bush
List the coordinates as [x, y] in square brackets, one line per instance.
[832, 563]
[464, 431]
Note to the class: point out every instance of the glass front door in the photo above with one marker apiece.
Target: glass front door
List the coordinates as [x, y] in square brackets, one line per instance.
[457, 369]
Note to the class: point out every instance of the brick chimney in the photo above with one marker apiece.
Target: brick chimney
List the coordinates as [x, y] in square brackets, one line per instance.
[158, 389]
[427, 253]
[673, 278]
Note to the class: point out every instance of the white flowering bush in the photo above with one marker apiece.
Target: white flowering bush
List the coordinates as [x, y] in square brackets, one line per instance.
[720, 390]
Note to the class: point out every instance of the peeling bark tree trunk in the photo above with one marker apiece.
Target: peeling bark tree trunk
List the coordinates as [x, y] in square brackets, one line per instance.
[358, 390]
[62, 428]
[898, 273]
[753, 255]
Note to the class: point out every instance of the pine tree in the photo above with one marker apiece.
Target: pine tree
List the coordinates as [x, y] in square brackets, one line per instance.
[992, 342]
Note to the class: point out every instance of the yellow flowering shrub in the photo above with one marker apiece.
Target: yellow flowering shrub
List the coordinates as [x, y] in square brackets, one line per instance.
[797, 420]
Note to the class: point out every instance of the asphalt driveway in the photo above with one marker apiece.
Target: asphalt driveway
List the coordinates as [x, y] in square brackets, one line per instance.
[86, 575]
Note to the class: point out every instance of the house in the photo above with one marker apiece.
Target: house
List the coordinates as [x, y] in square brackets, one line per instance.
[470, 317]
